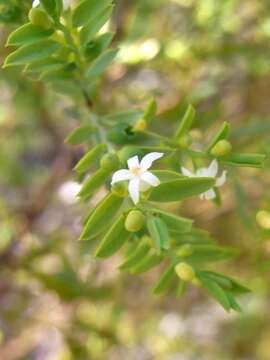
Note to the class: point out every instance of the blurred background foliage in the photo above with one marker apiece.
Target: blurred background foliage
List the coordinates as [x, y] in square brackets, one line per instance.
[55, 301]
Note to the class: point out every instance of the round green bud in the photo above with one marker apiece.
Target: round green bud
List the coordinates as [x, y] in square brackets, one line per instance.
[185, 250]
[134, 221]
[120, 189]
[263, 219]
[140, 125]
[222, 147]
[40, 18]
[185, 141]
[110, 161]
[185, 271]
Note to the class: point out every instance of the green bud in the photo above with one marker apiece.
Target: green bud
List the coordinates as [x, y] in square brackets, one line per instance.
[185, 250]
[40, 18]
[263, 219]
[185, 271]
[222, 147]
[110, 162]
[134, 221]
[120, 189]
[185, 141]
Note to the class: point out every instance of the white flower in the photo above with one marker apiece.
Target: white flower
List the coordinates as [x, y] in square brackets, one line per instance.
[140, 179]
[66, 3]
[211, 171]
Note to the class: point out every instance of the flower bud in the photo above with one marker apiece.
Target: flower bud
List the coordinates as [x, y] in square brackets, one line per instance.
[185, 141]
[140, 125]
[263, 219]
[222, 147]
[120, 189]
[134, 221]
[40, 18]
[185, 271]
[185, 250]
[110, 162]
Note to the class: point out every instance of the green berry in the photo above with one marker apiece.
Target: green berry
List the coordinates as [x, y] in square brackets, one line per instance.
[134, 221]
[222, 147]
[110, 162]
[40, 18]
[185, 271]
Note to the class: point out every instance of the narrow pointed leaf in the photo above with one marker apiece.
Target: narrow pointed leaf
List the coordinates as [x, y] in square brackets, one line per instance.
[114, 239]
[136, 257]
[93, 183]
[222, 133]
[165, 280]
[80, 135]
[159, 232]
[87, 10]
[90, 157]
[174, 222]
[176, 190]
[28, 34]
[101, 63]
[186, 122]
[102, 216]
[146, 264]
[249, 160]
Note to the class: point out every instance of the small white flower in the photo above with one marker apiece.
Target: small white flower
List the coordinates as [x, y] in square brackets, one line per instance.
[66, 3]
[211, 171]
[140, 179]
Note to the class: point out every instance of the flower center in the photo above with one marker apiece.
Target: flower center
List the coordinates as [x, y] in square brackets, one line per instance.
[135, 171]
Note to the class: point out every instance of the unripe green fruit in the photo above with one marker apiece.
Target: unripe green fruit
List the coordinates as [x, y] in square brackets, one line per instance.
[185, 141]
[120, 189]
[134, 221]
[263, 219]
[40, 18]
[185, 271]
[185, 250]
[110, 162]
[222, 147]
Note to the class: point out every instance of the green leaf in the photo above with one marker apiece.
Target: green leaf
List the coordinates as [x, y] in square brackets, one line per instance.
[29, 53]
[102, 216]
[28, 34]
[80, 135]
[176, 190]
[101, 63]
[93, 183]
[186, 122]
[249, 160]
[87, 10]
[167, 175]
[174, 222]
[227, 282]
[45, 65]
[234, 305]
[220, 135]
[209, 253]
[89, 31]
[57, 74]
[181, 288]
[136, 257]
[165, 280]
[215, 290]
[114, 239]
[147, 263]
[91, 156]
[150, 111]
[159, 232]
[195, 236]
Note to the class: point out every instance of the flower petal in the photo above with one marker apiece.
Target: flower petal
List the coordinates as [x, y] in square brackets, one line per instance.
[222, 179]
[186, 172]
[35, 3]
[148, 159]
[150, 178]
[121, 175]
[213, 169]
[209, 194]
[133, 162]
[134, 190]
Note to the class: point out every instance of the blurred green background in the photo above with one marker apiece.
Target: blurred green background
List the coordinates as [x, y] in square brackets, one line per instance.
[56, 302]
